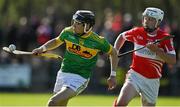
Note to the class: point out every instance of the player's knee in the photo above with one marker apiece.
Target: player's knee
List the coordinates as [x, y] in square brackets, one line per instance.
[57, 102]
[53, 102]
[121, 103]
[118, 103]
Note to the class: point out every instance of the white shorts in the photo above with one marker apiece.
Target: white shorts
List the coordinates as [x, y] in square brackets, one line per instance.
[73, 81]
[147, 88]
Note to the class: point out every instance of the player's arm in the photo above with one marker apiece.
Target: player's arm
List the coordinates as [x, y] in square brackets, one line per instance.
[50, 45]
[125, 36]
[167, 57]
[114, 62]
[119, 42]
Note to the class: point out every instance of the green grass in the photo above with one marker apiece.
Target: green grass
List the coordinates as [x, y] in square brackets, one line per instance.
[31, 99]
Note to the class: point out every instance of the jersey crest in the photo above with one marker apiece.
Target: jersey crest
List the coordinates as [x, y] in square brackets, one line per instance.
[81, 50]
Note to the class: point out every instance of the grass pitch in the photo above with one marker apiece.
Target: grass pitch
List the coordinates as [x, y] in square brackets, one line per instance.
[33, 99]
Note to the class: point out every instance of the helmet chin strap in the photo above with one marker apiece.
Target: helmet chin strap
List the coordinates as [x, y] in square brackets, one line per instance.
[156, 25]
[87, 31]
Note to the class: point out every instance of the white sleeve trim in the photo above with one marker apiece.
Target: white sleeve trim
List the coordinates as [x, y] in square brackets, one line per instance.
[172, 52]
[123, 35]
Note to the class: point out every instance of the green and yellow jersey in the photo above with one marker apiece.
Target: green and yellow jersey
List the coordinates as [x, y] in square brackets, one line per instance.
[82, 51]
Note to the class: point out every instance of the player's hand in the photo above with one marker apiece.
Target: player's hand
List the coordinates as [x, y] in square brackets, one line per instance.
[111, 82]
[153, 47]
[37, 51]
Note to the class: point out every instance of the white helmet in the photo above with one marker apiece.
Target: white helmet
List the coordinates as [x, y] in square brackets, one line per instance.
[156, 13]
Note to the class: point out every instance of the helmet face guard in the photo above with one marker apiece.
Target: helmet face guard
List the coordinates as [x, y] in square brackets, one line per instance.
[86, 17]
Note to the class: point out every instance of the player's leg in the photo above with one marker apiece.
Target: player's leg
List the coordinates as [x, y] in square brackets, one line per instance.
[67, 85]
[149, 91]
[127, 93]
[62, 97]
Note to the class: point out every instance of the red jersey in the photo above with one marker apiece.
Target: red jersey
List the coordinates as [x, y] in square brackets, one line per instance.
[146, 62]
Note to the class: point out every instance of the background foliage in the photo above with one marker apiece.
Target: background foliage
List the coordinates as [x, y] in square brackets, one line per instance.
[12, 10]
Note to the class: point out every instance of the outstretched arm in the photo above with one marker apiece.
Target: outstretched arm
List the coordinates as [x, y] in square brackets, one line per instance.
[50, 45]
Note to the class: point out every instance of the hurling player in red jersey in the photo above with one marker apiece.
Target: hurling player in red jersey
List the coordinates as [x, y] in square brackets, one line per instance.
[146, 68]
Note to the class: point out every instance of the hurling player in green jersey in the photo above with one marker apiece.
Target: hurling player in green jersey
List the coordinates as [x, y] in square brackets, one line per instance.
[82, 49]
